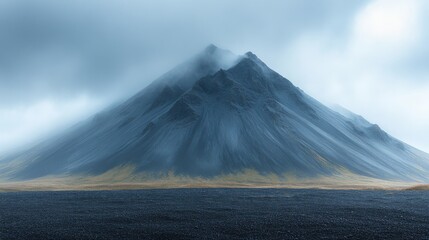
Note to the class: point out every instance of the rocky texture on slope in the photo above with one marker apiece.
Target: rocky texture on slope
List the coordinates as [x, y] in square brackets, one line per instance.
[220, 114]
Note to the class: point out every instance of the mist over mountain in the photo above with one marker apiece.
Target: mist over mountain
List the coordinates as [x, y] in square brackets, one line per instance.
[220, 113]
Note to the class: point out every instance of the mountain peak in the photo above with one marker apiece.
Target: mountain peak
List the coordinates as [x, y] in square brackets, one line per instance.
[211, 48]
[212, 52]
[249, 54]
[207, 62]
[253, 57]
[215, 59]
[219, 113]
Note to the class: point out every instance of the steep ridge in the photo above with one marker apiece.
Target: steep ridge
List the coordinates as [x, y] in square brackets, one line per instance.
[219, 114]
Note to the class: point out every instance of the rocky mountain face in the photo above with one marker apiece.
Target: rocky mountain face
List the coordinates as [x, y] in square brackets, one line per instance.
[219, 113]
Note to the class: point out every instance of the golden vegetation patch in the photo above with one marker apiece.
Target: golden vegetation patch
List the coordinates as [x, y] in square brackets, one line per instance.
[125, 177]
[419, 187]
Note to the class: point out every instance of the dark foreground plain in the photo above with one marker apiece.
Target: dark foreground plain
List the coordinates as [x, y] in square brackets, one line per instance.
[215, 214]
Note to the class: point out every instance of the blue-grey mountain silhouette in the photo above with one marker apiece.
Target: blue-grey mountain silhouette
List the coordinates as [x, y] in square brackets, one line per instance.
[219, 113]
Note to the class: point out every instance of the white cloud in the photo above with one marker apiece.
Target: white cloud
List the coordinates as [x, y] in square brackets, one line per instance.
[388, 22]
[360, 74]
[23, 125]
[386, 30]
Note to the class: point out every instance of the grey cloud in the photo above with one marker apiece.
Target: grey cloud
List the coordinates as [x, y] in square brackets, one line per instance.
[60, 48]
[107, 50]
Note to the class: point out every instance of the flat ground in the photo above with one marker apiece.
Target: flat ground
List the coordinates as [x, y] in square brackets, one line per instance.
[215, 214]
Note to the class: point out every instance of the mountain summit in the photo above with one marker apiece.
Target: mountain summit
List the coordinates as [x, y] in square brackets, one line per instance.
[219, 113]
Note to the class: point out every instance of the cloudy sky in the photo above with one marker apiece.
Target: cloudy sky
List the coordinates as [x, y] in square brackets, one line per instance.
[61, 61]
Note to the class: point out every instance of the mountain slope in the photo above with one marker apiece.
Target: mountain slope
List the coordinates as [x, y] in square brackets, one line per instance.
[218, 114]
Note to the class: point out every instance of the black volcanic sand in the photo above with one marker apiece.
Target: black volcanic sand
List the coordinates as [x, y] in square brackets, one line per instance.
[215, 214]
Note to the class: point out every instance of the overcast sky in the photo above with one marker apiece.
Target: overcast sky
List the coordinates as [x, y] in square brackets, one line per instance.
[62, 61]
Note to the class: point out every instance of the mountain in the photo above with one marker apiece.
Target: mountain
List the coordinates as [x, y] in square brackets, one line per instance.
[216, 114]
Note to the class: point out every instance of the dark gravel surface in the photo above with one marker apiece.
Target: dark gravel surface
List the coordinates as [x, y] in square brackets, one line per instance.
[215, 214]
